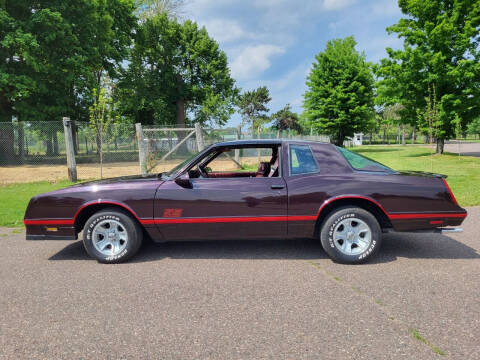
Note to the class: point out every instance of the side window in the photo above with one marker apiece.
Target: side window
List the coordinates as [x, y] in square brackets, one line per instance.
[302, 160]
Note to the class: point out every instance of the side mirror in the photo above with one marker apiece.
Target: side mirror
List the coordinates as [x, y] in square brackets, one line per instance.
[184, 181]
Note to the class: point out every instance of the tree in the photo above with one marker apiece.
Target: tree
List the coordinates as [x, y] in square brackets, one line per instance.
[151, 8]
[339, 99]
[176, 70]
[439, 59]
[474, 127]
[103, 117]
[286, 119]
[53, 53]
[252, 106]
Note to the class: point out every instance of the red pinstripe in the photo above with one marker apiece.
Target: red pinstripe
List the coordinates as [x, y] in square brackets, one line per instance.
[204, 220]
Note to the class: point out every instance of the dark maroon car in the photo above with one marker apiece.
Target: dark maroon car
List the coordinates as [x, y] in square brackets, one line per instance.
[255, 189]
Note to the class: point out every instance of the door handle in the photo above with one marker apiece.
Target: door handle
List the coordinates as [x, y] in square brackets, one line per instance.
[277, 186]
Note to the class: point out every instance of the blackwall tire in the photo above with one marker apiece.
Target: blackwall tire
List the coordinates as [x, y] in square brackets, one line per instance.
[351, 235]
[111, 236]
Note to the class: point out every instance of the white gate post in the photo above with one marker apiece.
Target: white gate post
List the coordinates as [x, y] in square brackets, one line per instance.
[142, 155]
[71, 164]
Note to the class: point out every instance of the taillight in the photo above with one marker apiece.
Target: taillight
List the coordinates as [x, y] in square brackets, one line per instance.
[450, 192]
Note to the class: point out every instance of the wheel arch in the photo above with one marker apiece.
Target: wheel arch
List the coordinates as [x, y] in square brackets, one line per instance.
[87, 210]
[362, 202]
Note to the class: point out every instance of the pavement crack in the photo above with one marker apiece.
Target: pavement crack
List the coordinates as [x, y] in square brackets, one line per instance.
[382, 307]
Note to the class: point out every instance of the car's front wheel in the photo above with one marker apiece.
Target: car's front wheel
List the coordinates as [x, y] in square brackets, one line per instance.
[351, 235]
[112, 236]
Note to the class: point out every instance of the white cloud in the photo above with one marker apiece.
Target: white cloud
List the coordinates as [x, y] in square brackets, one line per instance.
[253, 60]
[225, 31]
[330, 5]
[386, 8]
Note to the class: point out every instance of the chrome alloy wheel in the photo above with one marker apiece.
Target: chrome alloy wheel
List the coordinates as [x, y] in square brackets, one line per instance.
[109, 237]
[352, 236]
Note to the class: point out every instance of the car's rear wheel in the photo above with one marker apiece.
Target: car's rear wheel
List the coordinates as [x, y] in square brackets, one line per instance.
[351, 235]
[112, 236]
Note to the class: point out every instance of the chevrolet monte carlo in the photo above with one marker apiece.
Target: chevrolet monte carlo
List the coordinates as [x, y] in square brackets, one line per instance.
[287, 189]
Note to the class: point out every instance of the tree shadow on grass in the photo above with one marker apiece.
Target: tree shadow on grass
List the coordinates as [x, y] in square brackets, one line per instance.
[408, 245]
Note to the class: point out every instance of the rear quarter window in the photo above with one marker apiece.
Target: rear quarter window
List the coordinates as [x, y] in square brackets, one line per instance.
[302, 160]
[359, 162]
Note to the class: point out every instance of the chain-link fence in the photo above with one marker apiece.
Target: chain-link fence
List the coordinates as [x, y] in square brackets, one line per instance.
[36, 151]
[167, 146]
[31, 151]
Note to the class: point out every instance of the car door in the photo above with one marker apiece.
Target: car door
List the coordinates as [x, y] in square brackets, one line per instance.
[222, 208]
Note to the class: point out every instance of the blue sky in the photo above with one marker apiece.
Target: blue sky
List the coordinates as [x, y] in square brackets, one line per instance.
[274, 42]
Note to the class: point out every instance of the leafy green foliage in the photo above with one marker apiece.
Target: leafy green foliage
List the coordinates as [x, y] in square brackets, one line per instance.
[438, 69]
[286, 119]
[339, 99]
[176, 70]
[150, 8]
[253, 107]
[53, 53]
[474, 127]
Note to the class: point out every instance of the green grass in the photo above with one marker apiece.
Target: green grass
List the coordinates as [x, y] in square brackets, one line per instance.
[420, 338]
[463, 171]
[15, 198]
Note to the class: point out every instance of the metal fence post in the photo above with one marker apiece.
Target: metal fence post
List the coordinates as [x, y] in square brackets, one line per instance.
[142, 155]
[239, 136]
[71, 164]
[199, 136]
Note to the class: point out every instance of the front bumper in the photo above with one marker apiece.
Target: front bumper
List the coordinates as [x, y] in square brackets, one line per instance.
[50, 232]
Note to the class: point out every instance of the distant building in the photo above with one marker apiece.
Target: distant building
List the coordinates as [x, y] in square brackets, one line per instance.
[357, 139]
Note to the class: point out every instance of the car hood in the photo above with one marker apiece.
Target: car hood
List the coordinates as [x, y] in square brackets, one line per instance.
[98, 185]
[120, 179]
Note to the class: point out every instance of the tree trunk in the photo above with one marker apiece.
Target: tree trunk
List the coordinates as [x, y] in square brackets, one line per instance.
[98, 139]
[413, 135]
[340, 138]
[181, 116]
[371, 136]
[384, 136]
[440, 145]
[403, 135]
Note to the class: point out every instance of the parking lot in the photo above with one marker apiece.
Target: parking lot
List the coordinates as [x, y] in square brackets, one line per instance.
[419, 299]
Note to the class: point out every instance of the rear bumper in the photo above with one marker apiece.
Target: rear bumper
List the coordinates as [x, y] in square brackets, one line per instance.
[426, 221]
[450, 230]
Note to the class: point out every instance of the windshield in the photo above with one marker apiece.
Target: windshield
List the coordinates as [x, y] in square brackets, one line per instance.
[180, 165]
[359, 162]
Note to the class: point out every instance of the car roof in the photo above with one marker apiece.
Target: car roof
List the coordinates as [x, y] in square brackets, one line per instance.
[263, 142]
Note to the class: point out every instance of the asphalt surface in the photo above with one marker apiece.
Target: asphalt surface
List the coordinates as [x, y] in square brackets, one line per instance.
[463, 147]
[242, 300]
